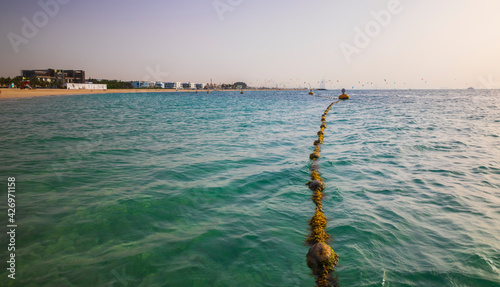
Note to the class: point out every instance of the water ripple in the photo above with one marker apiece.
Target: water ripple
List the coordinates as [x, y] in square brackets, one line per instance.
[173, 189]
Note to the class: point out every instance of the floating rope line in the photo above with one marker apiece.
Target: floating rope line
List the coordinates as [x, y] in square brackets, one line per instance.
[321, 258]
[326, 97]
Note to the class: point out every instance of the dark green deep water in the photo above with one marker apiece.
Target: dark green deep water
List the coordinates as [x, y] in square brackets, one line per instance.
[176, 189]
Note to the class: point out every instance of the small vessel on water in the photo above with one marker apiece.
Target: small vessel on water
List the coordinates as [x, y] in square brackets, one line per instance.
[322, 86]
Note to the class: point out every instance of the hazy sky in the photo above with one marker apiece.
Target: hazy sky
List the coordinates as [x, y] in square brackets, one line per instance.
[375, 43]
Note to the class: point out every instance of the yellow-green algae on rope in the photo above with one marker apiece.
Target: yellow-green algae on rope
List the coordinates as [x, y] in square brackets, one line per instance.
[321, 258]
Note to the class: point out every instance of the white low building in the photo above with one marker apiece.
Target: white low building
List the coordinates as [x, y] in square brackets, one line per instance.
[143, 84]
[200, 86]
[189, 86]
[173, 85]
[72, 86]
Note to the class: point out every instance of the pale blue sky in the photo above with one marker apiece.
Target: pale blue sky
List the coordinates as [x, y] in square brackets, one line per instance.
[450, 44]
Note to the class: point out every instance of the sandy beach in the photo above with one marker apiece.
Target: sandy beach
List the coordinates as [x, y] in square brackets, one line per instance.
[18, 93]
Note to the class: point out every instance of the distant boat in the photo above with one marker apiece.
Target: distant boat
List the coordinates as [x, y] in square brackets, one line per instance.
[470, 88]
[322, 86]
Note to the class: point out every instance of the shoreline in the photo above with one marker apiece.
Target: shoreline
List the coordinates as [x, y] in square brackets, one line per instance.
[7, 93]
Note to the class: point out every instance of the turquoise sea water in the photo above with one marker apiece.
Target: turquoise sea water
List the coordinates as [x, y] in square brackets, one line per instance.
[176, 189]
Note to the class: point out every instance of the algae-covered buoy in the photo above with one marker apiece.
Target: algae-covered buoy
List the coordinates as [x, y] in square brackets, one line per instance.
[319, 254]
[314, 156]
[315, 184]
[320, 258]
[314, 167]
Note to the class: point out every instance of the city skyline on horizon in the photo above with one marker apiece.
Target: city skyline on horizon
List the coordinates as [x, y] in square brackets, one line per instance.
[368, 44]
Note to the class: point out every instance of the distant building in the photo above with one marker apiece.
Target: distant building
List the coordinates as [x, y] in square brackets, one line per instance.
[72, 86]
[200, 86]
[173, 85]
[160, 85]
[143, 84]
[240, 85]
[189, 86]
[56, 76]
